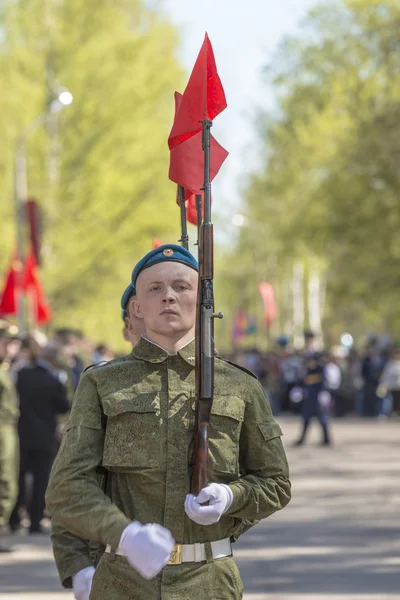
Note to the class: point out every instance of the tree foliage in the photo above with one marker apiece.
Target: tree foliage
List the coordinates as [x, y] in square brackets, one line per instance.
[330, 183]
[100, 167]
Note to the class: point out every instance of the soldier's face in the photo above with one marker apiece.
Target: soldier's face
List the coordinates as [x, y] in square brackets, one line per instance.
[166, 297]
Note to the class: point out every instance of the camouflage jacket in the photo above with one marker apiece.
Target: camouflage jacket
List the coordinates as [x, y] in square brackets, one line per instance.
[8, 445]
[135, 417]
[72, 554]
[9, 412]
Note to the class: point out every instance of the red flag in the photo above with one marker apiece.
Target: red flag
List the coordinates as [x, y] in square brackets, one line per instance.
[32, 286]
[270, 307]
[8, 301]
[203, 98]
[156, 243]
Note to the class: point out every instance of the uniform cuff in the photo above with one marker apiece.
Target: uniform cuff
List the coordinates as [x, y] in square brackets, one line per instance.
[73, 568]
[238, 498]
[117, 532]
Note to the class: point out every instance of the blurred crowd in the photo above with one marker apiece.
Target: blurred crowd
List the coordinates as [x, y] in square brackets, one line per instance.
[363, 382]
[68, 350]
[44, 372]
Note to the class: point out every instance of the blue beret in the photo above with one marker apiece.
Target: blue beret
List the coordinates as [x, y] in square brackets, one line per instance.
[130, 290]
[166, 253]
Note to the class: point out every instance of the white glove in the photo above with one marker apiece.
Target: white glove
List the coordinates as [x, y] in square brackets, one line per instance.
[82, 583]
[220, 498]
[147, 547]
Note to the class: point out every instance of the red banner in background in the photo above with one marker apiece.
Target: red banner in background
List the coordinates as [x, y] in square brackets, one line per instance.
[243, 325]
[268, 297]
[41, 312]
[11, 288]
[26, 281]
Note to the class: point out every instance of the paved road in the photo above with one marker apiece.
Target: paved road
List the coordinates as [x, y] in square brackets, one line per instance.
[339, 539]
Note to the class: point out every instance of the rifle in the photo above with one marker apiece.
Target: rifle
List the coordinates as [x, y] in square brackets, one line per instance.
[205, 315]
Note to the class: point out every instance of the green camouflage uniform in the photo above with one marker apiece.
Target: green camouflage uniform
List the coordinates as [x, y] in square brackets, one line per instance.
[8, 446]
[135, 417]
[72, 554]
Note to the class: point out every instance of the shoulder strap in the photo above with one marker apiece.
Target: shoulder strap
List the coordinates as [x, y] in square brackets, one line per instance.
[238, 367]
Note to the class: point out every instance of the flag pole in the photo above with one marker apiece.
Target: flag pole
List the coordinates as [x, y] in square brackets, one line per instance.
[20, 196]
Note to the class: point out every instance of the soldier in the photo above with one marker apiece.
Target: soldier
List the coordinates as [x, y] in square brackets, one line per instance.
[133, 327]
[8, 438]
[316, 398]
[135, 417]
[76, 558]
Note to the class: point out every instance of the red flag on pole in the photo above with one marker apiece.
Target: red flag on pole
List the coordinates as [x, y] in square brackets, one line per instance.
[11, 288]
[270, 307]
[32, 286]
[203, 98]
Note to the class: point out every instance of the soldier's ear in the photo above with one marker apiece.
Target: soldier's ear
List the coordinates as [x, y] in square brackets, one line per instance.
[135, 307]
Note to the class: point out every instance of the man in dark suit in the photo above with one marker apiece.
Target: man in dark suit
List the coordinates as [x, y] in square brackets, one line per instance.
[42, 398]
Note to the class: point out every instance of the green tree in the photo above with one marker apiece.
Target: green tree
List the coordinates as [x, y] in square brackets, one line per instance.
[100, 169]
[330, 182]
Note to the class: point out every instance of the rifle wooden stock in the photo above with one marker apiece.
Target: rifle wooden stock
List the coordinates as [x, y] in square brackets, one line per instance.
[204, 365]
[200, 469]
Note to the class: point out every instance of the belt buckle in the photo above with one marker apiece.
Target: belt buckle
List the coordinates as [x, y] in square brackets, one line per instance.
[176, 555]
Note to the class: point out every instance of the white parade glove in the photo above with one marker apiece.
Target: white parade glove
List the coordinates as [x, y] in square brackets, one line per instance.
[82, 583]
[147, 547]
[220, 498]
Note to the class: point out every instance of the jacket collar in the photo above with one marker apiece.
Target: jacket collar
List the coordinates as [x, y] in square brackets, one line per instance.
[153, 353]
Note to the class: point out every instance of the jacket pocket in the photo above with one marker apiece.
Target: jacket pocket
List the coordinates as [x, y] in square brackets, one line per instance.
[269, 431]
[132, 438]
[227, 415]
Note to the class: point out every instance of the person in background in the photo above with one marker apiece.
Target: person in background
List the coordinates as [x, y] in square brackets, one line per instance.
[290, 372]
[102, 354]
[371, 370]
[67, 340]
[8, 438]
[316, 398]
[333, 380]
[42, 398]
[309, 343]
[29, 352]
[389, 381]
